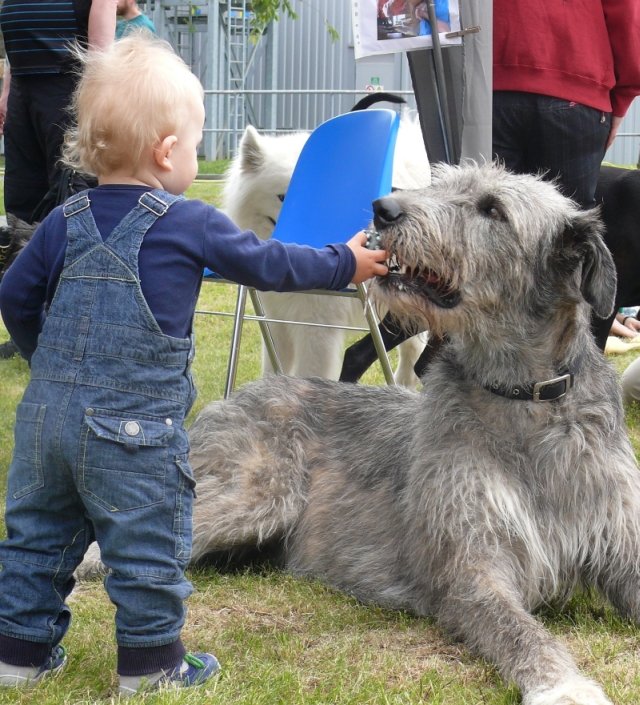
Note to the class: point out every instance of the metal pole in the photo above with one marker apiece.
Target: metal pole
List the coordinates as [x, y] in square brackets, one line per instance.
[441, 86]
[212, 79]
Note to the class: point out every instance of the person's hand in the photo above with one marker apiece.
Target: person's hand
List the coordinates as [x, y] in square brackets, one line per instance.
[3, 114]
[625, 326]
[613, 131]
[369, 263]
[631, 323]
[4, 95]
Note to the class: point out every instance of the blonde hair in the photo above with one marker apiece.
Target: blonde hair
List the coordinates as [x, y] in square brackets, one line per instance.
[129, 96]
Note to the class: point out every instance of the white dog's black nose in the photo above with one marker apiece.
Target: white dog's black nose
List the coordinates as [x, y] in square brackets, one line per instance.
[387, 210]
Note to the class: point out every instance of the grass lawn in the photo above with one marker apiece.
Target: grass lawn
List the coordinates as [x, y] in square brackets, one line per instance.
[287, 641]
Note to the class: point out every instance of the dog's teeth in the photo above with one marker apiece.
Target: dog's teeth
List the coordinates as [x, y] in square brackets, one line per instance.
[392, 264]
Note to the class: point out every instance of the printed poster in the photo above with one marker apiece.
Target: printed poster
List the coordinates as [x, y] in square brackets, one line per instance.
[389, 26]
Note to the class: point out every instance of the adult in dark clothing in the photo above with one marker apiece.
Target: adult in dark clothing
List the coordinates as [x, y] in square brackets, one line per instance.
[39, 80]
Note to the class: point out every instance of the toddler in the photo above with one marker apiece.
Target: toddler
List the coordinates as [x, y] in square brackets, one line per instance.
[101, 302]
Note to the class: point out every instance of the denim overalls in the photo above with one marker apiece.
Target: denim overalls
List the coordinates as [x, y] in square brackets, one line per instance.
[100, 448]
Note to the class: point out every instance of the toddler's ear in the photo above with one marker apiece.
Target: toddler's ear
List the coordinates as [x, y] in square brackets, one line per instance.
[162, 152]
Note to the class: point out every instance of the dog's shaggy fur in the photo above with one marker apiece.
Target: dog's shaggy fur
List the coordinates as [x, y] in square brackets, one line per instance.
[255, 186]
[459, 502]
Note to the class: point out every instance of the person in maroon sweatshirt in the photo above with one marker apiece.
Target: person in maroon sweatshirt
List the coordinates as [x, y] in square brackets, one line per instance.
[564, 75]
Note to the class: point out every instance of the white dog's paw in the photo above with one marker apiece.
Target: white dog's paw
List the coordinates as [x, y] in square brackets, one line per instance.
[576, 691]
[92, 565]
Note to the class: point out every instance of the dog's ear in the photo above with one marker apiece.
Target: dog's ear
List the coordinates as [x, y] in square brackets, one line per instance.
[598, 277]
[251, 153]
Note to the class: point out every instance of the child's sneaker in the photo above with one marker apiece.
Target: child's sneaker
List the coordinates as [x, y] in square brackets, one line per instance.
[195, 669]
[27, 675]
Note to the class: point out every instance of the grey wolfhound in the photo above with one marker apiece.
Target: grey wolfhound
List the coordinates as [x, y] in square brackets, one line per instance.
[503, 485]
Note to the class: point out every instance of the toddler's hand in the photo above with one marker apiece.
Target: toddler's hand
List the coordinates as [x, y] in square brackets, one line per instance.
[369, 263]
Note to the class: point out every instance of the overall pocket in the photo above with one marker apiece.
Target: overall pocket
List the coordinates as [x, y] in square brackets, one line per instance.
[27, 474]
[123, 459]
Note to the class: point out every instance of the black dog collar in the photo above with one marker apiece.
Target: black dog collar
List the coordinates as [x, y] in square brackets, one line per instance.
[548, 390]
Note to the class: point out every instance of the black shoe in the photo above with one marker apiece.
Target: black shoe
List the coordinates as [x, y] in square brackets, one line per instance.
[8, 350]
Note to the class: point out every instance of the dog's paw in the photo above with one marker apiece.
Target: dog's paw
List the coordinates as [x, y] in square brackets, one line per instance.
[576, 691]
[92, 566]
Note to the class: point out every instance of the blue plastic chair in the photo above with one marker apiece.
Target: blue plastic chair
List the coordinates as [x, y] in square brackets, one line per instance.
[344, 166]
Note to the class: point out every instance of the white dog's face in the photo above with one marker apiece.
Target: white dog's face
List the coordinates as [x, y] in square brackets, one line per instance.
[258, 178]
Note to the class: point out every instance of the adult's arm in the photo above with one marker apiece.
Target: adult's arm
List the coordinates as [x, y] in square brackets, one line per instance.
[4, 96]
[623, 20]
[102, 23]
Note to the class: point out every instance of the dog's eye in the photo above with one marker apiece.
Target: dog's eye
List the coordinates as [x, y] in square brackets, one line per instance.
[281, 197]
[491, 209]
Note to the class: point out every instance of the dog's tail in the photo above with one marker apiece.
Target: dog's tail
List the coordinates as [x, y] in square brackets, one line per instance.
[377, 97]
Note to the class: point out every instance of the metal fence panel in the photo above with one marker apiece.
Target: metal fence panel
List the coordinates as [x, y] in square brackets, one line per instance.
[295, 77]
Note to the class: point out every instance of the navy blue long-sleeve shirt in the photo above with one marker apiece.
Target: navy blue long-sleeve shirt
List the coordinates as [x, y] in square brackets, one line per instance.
[190, 236]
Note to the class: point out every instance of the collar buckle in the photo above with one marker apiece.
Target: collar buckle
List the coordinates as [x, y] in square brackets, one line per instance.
[538, 387]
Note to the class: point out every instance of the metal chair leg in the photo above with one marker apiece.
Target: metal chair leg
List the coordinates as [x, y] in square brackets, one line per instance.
[234, 353]
[372, 320]
[238, 321]
[266, 332]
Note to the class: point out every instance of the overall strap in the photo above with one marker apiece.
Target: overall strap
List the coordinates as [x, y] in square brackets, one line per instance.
[75, 204]
[82, 232]
[127, 236]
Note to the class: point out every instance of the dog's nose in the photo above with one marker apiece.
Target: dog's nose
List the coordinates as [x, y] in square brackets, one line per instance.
[387, 209]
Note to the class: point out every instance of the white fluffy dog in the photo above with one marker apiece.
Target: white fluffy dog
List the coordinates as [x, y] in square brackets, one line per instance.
[256, 184]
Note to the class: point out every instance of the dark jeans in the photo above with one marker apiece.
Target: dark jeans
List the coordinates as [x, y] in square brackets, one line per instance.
[34, 132]
[558, 138]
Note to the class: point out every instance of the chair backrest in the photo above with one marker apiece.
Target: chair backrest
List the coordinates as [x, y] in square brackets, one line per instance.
[344, 165]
